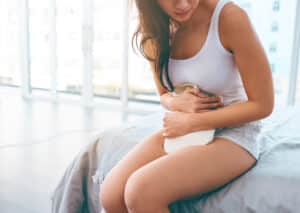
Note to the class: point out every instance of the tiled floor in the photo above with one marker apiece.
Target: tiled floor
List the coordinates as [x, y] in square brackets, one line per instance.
[38, 139]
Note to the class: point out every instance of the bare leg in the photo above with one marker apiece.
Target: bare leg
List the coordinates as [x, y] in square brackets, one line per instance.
[185, 173]
[112, 189]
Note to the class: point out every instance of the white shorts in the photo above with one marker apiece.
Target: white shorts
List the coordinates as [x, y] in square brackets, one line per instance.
[245, 135]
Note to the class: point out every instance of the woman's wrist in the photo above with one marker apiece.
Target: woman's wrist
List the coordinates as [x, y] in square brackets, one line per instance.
[197, 122]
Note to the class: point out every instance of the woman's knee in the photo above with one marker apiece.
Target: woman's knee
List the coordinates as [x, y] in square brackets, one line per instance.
[139, 193]
[133, 193]
[110, 197]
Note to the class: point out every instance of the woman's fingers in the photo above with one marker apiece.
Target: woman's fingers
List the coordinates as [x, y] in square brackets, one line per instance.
[197, 92]
[211, 99]
[211, 105]
[214, 105]
[205, 110]
[205, 102]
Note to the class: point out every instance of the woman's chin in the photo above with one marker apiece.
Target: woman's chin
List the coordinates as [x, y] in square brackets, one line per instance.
[182, 19]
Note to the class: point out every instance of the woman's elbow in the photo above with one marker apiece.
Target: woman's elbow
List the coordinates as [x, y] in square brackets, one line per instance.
[268, 112]
[267, 109]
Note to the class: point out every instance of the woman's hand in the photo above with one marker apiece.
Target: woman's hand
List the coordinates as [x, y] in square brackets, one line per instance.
[176, 124]
[195, 101]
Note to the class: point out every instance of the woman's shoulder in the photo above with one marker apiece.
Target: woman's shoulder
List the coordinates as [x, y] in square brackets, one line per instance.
[232, 10]
[233, 16]
[233, 22]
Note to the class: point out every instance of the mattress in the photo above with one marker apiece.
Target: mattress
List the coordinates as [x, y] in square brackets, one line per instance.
[272, 185]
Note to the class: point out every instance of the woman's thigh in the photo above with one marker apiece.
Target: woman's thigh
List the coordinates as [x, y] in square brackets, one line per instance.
[112, 188]
[188, 172]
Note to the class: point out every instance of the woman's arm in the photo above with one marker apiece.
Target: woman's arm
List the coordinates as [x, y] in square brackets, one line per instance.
[241, 39]
[166, 99]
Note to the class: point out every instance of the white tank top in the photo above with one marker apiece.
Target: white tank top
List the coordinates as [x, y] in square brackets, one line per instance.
[213, 68]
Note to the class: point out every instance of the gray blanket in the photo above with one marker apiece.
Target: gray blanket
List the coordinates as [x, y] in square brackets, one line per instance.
[272, 185]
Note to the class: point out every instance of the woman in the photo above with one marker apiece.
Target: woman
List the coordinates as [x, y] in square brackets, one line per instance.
[210, 43]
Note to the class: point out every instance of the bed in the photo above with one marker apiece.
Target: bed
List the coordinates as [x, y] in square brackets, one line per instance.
[272, 185]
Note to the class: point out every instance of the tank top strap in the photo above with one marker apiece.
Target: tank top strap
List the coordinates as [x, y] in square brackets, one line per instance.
[216, 16]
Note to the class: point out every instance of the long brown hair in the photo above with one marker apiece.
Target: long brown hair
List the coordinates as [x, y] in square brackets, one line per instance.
[155, 30]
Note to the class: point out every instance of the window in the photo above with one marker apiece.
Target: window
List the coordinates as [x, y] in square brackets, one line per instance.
[273, 47]
[297, 98]
[273, 67]
[9, 43]
[69, 46]
[107, 47]
[39, 25]
[276, 5]
[66, 27]
[274, 26]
